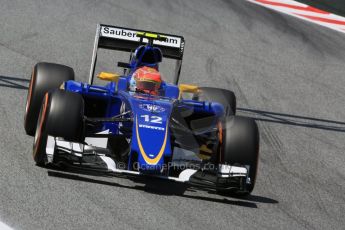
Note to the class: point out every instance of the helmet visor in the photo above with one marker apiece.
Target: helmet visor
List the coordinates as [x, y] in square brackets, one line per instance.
[147, 86]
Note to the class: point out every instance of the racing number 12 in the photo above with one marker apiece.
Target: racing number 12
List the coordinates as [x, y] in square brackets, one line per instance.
[152, 119]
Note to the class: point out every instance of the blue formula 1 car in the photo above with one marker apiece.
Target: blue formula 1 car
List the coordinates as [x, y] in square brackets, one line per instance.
[133, 125]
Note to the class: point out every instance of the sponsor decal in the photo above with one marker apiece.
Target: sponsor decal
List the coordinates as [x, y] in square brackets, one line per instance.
[151, 127]
[131, 35]
[152, 108]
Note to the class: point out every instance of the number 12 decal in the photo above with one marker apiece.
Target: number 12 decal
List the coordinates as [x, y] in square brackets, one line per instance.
[152, 119]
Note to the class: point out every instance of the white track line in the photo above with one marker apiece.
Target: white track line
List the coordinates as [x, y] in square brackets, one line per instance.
[305, 12]
[4, 226]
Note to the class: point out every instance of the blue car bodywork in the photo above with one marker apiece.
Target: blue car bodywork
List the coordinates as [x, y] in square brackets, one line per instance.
[149, 126]
[150, 132]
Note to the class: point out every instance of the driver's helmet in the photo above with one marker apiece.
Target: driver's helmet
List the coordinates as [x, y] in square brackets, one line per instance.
[146, 80]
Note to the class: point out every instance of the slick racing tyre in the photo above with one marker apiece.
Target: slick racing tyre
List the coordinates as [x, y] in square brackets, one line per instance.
[225, 97]
[240, 146]
[61, 115]
[45, 77]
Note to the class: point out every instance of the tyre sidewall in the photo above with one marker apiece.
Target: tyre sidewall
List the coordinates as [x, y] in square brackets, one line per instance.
[40, 140]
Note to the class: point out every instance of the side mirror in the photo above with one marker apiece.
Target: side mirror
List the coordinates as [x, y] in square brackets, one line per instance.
[185, 88]
[106, 76]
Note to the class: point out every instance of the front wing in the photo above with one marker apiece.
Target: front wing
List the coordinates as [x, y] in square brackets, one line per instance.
[95, 156]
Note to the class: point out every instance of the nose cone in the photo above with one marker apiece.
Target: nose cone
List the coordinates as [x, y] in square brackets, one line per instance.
[151, 137]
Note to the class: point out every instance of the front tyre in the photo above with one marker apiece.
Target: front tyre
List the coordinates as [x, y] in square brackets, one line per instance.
[61, 115]
[240, 146]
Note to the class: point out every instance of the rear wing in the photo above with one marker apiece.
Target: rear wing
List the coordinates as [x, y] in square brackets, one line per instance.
[125, 39]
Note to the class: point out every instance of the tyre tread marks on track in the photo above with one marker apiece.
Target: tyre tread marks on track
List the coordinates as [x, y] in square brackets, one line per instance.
[274, 143]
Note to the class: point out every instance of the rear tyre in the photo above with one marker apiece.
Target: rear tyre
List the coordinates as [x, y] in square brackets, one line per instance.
[225, 97]
[45, 77]
[61, 115]
[240, 146]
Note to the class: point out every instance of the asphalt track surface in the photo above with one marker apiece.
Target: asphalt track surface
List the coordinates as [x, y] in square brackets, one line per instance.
[286, 73]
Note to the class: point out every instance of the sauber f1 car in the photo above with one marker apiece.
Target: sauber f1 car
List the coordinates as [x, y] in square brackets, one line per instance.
[182, 132]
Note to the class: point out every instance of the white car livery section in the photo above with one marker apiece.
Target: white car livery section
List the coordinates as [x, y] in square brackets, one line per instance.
[131, 35]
